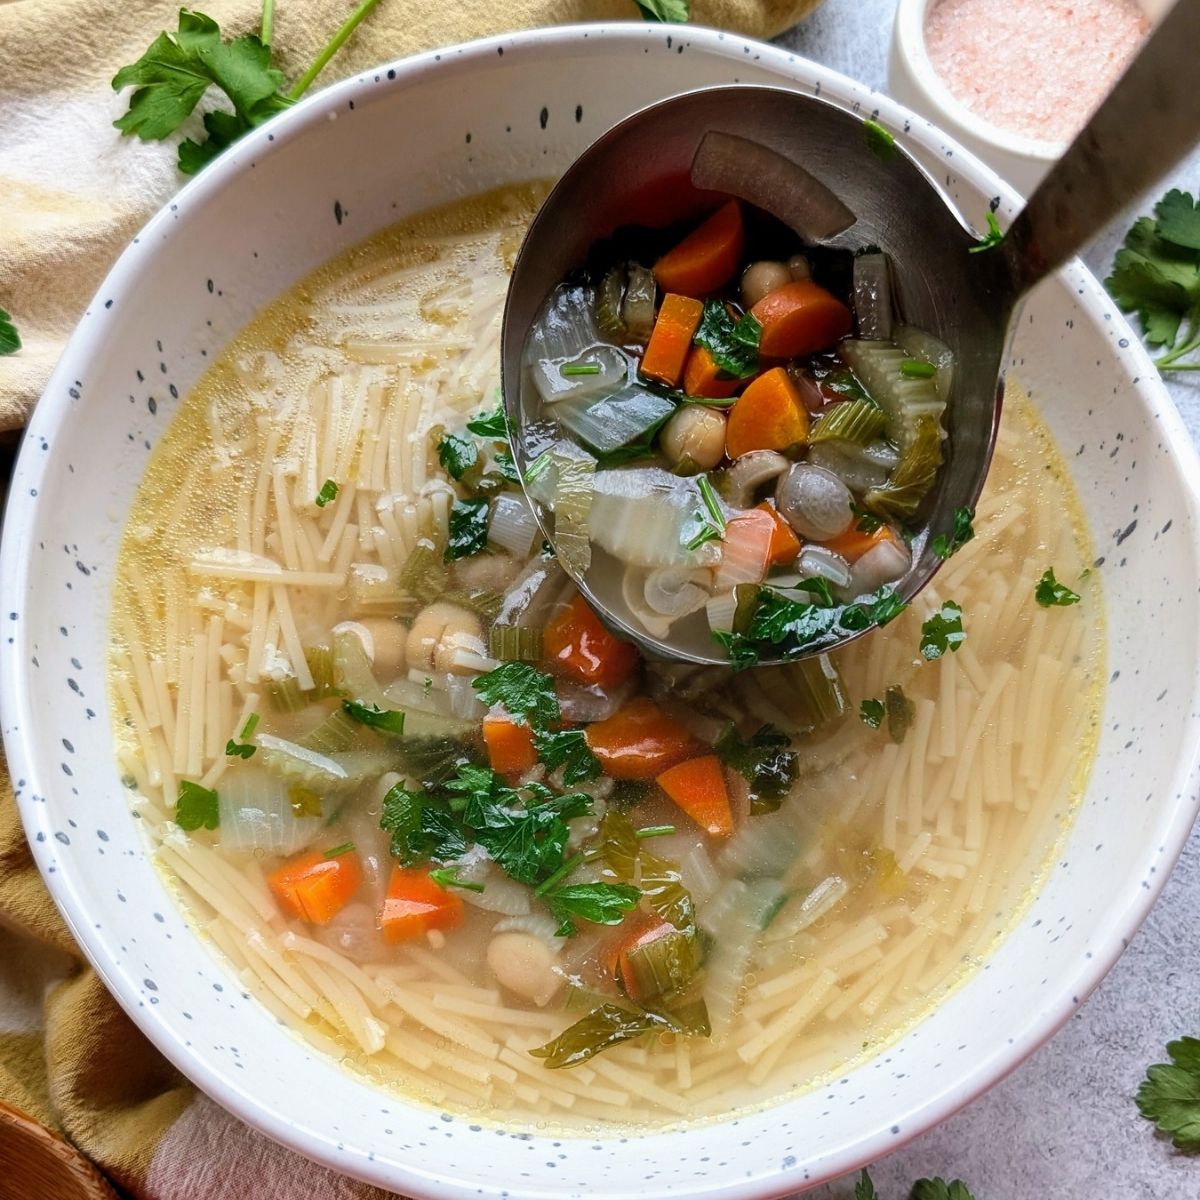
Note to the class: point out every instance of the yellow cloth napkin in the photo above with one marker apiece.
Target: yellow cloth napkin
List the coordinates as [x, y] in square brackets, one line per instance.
[72, 193]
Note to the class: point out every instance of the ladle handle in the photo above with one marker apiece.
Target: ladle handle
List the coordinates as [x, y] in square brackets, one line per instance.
[1145, 125]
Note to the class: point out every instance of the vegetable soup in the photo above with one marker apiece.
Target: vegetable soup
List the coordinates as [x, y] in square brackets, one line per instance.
[449, 829]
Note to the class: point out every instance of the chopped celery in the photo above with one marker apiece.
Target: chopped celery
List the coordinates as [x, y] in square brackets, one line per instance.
[322, 773]
[286, 695]
[607, 423]
[916, 343]
[747, 602]
[515, 643]
[817, 686]
[337, 732]
[320, 666]
[573, 493]
[432, 760]
[901, 496]
[637, 309]
[609, 295]
[857, 421]
[352, 670]
[424, 573]
[907, 402]
[607, 1026]
[484, 602]
[661, 967]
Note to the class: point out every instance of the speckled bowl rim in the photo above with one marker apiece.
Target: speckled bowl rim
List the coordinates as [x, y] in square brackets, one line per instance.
[1164, 842]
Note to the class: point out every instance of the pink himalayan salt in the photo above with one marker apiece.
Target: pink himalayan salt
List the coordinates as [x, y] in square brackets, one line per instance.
[1033, 67]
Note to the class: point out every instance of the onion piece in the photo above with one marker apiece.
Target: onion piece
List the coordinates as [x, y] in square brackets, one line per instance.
[566, 326]
[607, 422]
[916, 343]
[637, 309]
[464, 699]
[822, 563]
[873, 295]
[512, 524]
[645, 517]
[554, 383]
[751, 171]
[540, 924]
[745, 552]
[720, 610]
[256, 814]
[883, 563]
[676, 591]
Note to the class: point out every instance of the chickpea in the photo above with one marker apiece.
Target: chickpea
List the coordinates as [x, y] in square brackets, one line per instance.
[525, 965]
[799, 267]
[438, 631]
[760, 279]
[694, 432]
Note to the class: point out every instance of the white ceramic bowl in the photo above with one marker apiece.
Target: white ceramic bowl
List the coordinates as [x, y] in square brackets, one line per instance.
[1021, 161]
[331, 171]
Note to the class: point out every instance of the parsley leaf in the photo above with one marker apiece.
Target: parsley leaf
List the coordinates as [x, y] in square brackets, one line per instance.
[1179, 219]
[385, 719]
[1170, 1094]
[506, 468]
[879, 141]
[674, 12]
[961, 534]
[10, 339]
[900, 713]
[457, 454]
[468, 529]
[604, 1027]
[492, 424]
[871, 712]
[527, 694]
[864, 1188]
[327, 494]
[939, 1189]
[196, 807]
[993, 237]
[567, 748]
[1049, 593]
[732, 344]
[943, 631]
[447, 877]
[600, 903]
[239, 750]
[766, 763]
[421, 826]
[866, 523]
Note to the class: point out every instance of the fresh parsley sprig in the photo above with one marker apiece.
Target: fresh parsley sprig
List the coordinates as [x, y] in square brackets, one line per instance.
[1049, 593]
[961, 533]
[993, 237]
[924, 1189]
[672, 12]
[178, 68]
[1170, 1094]
[10, 339]
[943, 631]
[196, 807]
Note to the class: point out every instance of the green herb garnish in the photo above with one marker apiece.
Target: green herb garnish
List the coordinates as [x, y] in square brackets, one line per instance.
[239, 750]
[457, 455]
[993, 237]
[177, 70]
[447, 877]
[386, 720]
[732, 344]
[960, 535]
[569, 369]
[599, 903]
[422, 826]
[1170, 1094]
[672, 12]
[338, 851]
[917, 368]
[943, 631]
[900, 713]
[10, 339]
[866, 523]
[327, 494]
[196, 807]
[492, 424]
[567, 748]
[880, 142]
[1049, 593]
[766, 762]
[871, 712]
[527, 694]
[468, 529]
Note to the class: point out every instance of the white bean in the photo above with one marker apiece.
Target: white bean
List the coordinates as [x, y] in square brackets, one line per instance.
[694, 432]
[525, 965]
[439, 630]
[761, 279]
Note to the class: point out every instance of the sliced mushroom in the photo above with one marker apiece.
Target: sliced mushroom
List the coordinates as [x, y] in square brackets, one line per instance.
[633, 592]
[883, 563]
[676, 591]
[815, 502]
[749, 473]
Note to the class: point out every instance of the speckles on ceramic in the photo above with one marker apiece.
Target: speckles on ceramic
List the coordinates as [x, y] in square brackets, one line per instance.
[173, 301]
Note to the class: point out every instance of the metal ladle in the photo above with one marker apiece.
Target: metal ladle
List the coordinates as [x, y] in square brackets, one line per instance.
[850, 195]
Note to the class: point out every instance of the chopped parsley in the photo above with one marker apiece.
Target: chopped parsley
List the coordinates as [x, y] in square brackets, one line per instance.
[239, 749]
[993, 237]
[900, 713]
[447, 877]
[924, 1189]
[327, 494]
[917, 368]
[673, 12]
[880, 142]
[962, 532]
[468, 529]
[712, 520]
[526, 693]
[1170, 1094]
[196, 807]
[422, 826]
[871, 712]
[943, 631]
[599, 903]
[866, 523]
[569, 369]
[505, 467]
[10, 339]
[733, 344]
[1049, 593]
[492, 424]
[457, 454]
[567, 748]
[386, 720]
[766, 762]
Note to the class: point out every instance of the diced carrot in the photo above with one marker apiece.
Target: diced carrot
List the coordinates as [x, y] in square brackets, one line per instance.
[785, 545]
[634, 935]
[800, 318]
[576, 644]
[414, 904]
[768, 415]
[697, 786]
[671, 339]
[639, 741]
[745, 549]
[853, 544]
[314, 887]
[707, 258]
[702, 377]
[509, 746]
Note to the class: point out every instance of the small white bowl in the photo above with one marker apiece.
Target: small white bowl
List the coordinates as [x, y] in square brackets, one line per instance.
[912, 79]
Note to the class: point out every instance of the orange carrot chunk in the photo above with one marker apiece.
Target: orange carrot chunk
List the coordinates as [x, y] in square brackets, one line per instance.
[785, 545]
[702, 377]
[697, 787]
[853, 544]
[639, 741]
[509, 746]
[707, 258]
[316, 888]
[578, 646]
[671, 339]
[768, 415]
[414, 905]
[800, 318]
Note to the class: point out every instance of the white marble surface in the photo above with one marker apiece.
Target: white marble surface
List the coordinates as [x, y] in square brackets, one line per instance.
[1064, 1124]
